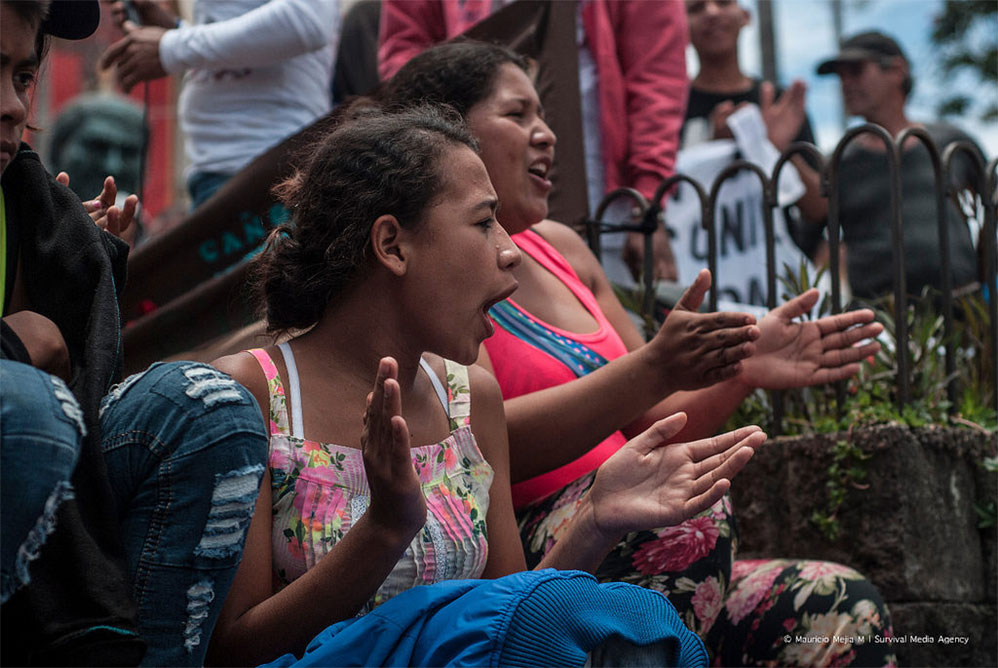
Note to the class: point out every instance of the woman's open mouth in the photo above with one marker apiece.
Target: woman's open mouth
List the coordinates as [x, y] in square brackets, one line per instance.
[539, 171]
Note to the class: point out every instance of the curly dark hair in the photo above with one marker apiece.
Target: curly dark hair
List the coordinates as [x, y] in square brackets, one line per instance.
[373, 164]
[459, 74]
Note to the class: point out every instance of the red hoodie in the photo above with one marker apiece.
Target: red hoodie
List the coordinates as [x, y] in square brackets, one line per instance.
[640, 54]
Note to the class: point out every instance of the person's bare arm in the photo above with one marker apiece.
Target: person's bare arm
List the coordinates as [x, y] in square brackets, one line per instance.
[43, 342]
[812, 204]
[488, 423]
[784, 118]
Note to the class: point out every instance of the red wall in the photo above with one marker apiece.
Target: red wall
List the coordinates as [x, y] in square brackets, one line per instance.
[71, 69]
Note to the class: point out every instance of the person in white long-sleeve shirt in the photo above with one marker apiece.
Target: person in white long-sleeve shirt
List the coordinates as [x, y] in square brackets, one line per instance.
[255, 72]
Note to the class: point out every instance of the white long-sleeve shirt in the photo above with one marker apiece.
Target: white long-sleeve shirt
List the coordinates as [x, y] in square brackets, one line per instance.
[257, 71]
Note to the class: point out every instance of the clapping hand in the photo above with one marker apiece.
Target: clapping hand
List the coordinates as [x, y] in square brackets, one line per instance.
[102, 209]
[149, 13]
[397, 501]
[793, 353]
[700, 349]
[784, 116]
[650, 483]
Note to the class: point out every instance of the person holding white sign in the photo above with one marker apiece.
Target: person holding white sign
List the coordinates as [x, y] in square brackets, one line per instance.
[731, 115]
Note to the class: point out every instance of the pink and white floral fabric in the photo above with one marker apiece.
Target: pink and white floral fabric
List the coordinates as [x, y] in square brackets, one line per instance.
[320, 490]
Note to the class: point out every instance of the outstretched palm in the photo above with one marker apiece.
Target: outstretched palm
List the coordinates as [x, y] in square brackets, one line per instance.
[791, 353]
[650, 484]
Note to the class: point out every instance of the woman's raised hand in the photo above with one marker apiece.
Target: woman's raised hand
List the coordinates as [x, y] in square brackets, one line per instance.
[649, 483]
[700, 349]
[397, 501]
[793, 353]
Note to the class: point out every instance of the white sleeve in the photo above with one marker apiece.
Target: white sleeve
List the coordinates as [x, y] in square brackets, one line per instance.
[275, 31]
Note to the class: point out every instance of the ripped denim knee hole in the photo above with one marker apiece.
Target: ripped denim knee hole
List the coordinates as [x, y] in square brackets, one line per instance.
[117, 391]
[31, 548]
[233, 500]
[70, 407]
[212, 386]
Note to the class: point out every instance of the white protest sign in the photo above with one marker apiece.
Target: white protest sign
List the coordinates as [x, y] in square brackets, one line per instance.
[741, 232]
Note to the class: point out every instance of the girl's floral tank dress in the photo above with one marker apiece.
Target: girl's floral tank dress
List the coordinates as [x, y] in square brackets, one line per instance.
[320, 490]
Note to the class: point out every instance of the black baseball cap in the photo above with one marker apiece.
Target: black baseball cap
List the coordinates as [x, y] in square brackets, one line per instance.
[72, 19]
[875, 46]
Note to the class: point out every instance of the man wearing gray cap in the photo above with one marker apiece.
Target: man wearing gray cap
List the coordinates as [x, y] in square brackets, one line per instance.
[876, 83]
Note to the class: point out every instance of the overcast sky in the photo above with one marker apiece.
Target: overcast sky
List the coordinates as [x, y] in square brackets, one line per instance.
[805, 37]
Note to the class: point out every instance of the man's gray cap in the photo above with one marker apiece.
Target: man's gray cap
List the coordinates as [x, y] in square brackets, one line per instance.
[874, 46]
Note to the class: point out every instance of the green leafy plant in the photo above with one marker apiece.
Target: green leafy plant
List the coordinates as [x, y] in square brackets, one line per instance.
[847, 470]
[870, 397]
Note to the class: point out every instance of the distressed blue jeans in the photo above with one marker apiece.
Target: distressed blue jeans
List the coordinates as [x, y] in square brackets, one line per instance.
[185, 448]
[41, 429]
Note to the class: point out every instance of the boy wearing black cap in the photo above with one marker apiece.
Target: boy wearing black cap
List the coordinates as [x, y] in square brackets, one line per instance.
[106, 497]
[876, 82]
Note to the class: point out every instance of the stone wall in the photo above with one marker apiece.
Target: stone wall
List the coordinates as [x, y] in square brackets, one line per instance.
[912, 531]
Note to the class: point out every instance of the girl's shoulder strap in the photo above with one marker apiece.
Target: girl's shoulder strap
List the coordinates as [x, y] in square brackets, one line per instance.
[437, 385]
[297, 428]
[458, 394]
[278, 405]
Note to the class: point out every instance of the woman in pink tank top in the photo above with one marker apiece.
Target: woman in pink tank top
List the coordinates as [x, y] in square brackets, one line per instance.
[578, 379]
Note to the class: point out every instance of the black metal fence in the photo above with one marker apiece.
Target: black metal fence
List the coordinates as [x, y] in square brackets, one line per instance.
[985, 187]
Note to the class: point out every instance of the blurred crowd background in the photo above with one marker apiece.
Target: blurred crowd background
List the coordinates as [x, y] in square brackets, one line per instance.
[953, 47]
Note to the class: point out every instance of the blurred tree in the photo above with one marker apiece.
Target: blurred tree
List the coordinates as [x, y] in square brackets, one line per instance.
[966, 34]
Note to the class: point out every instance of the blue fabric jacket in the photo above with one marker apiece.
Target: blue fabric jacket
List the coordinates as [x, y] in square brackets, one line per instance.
[547, 618]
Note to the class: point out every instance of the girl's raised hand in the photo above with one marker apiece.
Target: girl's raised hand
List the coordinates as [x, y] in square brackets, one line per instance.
[700, 349]
[648, 483]
[397, 501]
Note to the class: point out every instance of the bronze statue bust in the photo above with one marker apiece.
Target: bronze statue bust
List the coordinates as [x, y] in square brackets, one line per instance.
[97, 135]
